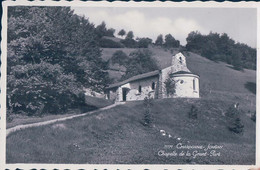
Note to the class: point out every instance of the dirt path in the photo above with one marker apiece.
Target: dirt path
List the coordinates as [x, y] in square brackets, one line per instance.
[20, 127]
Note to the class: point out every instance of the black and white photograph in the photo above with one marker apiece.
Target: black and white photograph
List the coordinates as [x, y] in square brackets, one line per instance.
[130, 85]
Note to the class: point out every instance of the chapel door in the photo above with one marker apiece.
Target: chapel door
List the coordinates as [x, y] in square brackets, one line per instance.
[124, 94]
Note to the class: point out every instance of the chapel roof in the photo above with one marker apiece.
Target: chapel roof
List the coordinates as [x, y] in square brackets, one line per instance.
[134, 78]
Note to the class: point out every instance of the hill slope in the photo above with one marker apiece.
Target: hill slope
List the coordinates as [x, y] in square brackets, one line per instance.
[213, 76]
[118, 136]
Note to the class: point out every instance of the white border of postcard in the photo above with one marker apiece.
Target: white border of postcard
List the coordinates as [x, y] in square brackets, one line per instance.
[5, 4]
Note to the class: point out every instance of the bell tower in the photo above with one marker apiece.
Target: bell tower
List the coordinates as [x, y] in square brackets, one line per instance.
[179, 63]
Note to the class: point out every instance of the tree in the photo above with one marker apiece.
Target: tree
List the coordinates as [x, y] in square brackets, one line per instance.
[139, 62]
[170, 41]
[122, 32]
[144, 42]
[129, 41]
[130, 35]
[110, 32]
[101, 29]
[170, 86]
[120, 58]
[159, 40]
[222, 48]
[52, 55]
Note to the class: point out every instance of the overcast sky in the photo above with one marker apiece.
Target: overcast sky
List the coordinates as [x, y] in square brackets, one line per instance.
[239, 24]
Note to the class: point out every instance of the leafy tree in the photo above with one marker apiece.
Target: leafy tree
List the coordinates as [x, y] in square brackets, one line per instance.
[101, 29]
[170, 86]
[170, 41]
[159, 40]
[51, 52]
[139, 62]
[144, 42]
[110, 32]
[129, 35]
[122, 32]
[129, 41]
[222, 48]
[120, 58]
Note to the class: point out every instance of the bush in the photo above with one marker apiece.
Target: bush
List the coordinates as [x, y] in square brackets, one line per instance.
[119, 57]
[107, 43]
[129, 43]
[148, 102]
[193, 114]
[234, 123]
[236, 126]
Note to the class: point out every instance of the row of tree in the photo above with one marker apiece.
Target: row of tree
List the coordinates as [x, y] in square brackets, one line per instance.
[222, 48]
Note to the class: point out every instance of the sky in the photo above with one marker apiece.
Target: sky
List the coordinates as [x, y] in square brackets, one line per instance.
[238, 23]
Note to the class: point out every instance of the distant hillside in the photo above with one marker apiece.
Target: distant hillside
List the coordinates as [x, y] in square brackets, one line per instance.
[214, 76]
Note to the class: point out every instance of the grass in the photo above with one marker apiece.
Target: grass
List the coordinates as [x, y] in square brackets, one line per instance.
[118, 136]
[93, 102]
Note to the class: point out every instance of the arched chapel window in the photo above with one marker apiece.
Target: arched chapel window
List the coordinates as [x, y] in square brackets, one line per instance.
[194, 84]
[140, 89]
[180, 60]
[153, 86]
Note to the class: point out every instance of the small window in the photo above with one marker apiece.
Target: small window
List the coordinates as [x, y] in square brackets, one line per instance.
[180, 60]
[194, 84]
[153, 86]
[140, 89]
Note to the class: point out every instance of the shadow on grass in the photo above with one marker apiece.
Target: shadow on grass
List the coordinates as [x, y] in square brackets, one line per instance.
[251, 86]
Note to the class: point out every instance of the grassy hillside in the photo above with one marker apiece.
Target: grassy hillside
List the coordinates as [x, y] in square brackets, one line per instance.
[118, 136]
[213, 76]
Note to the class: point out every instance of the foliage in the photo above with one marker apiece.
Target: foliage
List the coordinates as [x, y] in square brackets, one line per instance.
[139, 62]
[143, 42]
[52, 55]
[148, 103]
[170, 41]
[107, 43]
[193, 113]
[101, 30]
[120, 58]
[222, 48]
[122, 32]
[159, 40]
[129, 35]
[170, 86]
[233, 119]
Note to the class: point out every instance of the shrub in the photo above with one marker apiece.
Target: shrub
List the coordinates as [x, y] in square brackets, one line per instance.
[193, 114]
[236, 126]
[234, 123]
[119, 57]
[170, 86]
[148, 102]
[107, 43]
[129, 43]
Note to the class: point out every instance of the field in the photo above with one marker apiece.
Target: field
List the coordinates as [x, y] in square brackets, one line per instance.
[118, 135]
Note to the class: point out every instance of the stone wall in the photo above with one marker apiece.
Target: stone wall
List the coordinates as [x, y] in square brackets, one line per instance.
[133, 89]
